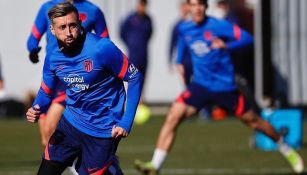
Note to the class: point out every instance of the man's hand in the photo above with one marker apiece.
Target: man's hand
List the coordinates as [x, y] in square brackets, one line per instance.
[118, 132]
[34, 54]
[33, 114]
[217, 43]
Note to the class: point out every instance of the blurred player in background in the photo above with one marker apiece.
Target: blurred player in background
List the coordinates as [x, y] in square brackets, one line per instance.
[185, 69]
[210, 41]
[136, 31]
[92, 20]
[92, 69]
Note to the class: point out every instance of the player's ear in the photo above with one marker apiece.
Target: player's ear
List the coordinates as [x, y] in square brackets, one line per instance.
[52, 29]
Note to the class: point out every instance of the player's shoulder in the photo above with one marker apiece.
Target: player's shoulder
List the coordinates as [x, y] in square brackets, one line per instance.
[49, 4]
[131, 16]
[147, 17]
[100, 44]
[89, 5]
[218, 21]
[105, 44]
[186, 25]
[92, 39]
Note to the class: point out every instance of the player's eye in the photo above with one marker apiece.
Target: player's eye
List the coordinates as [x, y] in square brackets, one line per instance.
[73, 26]
[62, 27]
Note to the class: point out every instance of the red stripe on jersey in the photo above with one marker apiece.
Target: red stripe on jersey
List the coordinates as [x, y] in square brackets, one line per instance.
[105, 33]
[124, 67]
[47, 157]
[237, 32]
[35, 32]
[46, 89]
[103, 170]
[240, 107]
[59, 98]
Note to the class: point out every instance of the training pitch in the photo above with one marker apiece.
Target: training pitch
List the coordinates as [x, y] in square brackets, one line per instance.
[201, 147]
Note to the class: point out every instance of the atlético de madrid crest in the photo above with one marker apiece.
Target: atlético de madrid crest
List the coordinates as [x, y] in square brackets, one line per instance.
[88, 65]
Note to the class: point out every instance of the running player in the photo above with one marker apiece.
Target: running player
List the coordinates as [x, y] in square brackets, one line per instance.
[210, 41]
[185, 69]
[92, 70]
[92, 20]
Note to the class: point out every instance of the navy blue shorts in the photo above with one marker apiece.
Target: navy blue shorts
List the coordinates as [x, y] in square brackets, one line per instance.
[199, 97]
[95, 155]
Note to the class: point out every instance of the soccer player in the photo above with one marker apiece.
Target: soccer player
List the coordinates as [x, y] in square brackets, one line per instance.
[94, 120]
[210, 41]
[136, 31]
[185, 71]
[92, 20]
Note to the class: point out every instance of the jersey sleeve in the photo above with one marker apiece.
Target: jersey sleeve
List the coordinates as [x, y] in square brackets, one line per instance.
[43, 98]
[118, 63]
[236, 37]
[101, 25]
[173, 43]
[181, 46]
[38, 29]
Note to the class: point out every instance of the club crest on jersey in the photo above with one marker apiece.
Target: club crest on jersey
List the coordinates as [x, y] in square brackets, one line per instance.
[82, 17]
[208, 35]
[88, 65]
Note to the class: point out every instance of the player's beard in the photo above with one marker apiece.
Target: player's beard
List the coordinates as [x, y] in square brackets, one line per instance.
[75, 46]
[69, 43]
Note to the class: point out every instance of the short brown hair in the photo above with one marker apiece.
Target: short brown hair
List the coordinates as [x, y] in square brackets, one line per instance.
[205, 2]
[143, 2]
[62, 9]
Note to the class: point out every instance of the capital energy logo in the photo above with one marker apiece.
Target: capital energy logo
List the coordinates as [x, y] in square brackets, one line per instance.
[76, 83]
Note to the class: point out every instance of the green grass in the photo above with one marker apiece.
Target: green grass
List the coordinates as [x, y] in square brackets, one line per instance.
[201, 148]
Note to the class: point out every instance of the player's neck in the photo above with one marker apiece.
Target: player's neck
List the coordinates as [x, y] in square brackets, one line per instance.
[202, 21]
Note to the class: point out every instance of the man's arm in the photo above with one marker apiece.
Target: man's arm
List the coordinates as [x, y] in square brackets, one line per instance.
[242, 39]
[237, 38]
[118, 63]
[43, 98]
[101, 28]
[181, 46]
[132, 75]
[38, 29]
[173, 44]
